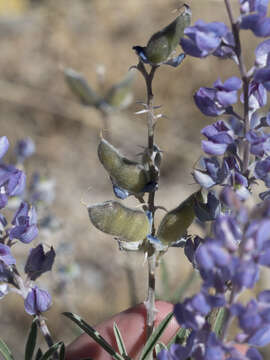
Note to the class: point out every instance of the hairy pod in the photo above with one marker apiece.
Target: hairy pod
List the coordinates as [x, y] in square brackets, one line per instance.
[176, 222]
[127, 174]
[80, 88]
[113, 218]
[120, 95]
[162, 44]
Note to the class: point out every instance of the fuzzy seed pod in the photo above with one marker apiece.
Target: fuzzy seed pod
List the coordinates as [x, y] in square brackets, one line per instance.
[127, 174]
[113, 218]
[176, 222]
[80, 87]
[162, 44]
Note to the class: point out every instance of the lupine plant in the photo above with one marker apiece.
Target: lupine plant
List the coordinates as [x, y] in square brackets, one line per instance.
[235, 246]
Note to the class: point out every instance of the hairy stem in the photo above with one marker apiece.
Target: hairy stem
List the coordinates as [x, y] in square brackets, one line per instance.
[154, 176]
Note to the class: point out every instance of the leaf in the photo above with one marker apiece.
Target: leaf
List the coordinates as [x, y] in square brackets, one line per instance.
[62, 352]
[151, 342]
[119, 341]
[94, 335]
[4, 350]
[51, 350]
[218, 325]
[31, 341]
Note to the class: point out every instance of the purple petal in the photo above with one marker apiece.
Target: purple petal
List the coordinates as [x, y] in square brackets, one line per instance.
[203, 179]
[212, 148]
[4, 145]
[233, 83]
[261, 337]
[5, 255]
[262, 53]
[190, 48]
[227, 99]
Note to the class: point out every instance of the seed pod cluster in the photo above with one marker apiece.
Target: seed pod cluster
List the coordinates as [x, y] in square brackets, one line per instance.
[113, 218]
[176, 222]
[129, 175]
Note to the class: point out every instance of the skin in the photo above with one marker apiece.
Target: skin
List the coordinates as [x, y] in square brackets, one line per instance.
[132, 325]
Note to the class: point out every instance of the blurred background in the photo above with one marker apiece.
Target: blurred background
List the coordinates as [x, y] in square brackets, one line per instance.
[39, 39]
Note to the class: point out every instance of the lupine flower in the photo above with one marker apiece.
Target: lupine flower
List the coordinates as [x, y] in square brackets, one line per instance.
[4, 145]
[25, 224]
[258, 24]
[24, 148]
[37, 301]
[219, 138]
[262, 171]
[5, 255]
[248, 6]
[257, 95]
[38, 262]
[204, 39]
[211, 172]
[259, 143]
[219, 99]
[12, 180]
[262, 52]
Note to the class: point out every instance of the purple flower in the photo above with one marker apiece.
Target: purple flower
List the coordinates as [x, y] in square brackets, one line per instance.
[37, 301]
[263, 76]
[227, 232]
[257, 95]
[257, 22]
[248, 6]
[208, 211]
[203, 39]
[219, 138]
[24, 148]
[38, 262]
[262, 171]
[25, 224]
[262, 54]
[12, 180]
[259, 143]
[219, 99]
[211, 172]
[5, 255]
[4, 145]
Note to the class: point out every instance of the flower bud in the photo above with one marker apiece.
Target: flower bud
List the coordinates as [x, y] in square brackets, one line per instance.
[115, 219]
[176, 222]
[128, 175]
[162, 44]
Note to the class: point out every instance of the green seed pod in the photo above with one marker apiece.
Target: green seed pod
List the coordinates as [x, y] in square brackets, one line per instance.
[80, 87]
[176, 222]
[162, 44]
[113, 218]
[127, 174]
[120, 95]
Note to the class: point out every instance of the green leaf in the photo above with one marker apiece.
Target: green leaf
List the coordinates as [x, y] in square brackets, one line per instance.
[119, 341]
[93, 334]
[51, 350]
[179, 337]
[62, 352]
[218, 325]
[4, 350]
[38, 354]
[151, 342]
[31, 341]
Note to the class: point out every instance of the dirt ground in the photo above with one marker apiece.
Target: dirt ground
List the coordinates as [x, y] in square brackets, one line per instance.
[37, 43]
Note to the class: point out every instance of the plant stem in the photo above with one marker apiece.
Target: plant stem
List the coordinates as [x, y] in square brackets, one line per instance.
[246, 80]
[154, 176]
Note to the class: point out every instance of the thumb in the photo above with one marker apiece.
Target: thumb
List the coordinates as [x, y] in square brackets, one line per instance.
[132, 325]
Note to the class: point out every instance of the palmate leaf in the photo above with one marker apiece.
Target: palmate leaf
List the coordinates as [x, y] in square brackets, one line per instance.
[4, 350]
[94, 335]
[31, 340]
[151, 342]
